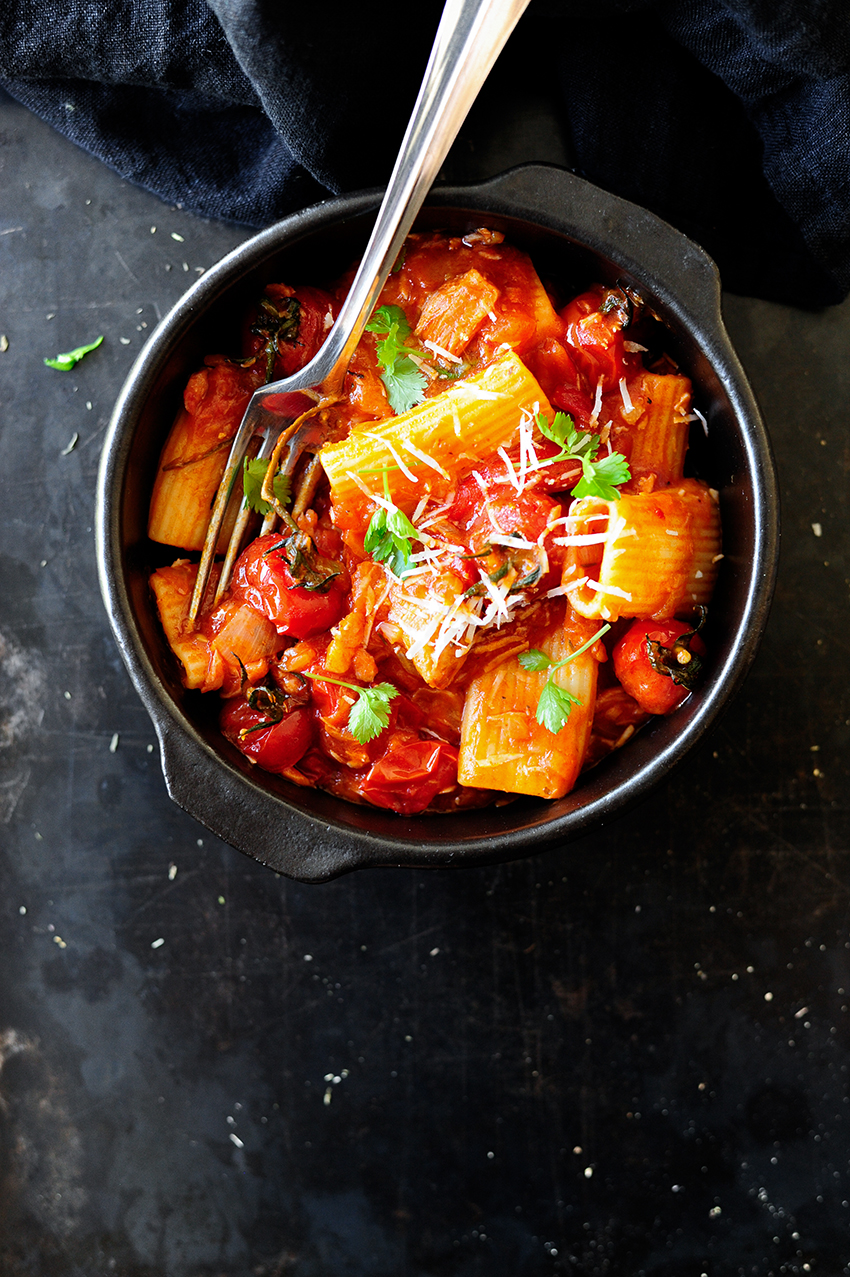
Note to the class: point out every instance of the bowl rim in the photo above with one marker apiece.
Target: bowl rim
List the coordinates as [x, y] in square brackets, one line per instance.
[316, 848]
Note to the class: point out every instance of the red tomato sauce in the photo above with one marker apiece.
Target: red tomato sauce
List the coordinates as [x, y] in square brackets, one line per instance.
[492, 536]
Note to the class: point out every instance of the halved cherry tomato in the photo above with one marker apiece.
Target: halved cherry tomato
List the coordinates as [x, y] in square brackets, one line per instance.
[273, 748]
[410, 774]
[262, 578]
[655, 692]
[595, 340]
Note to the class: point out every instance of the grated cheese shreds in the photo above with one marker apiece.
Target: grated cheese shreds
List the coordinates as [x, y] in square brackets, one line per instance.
[452, 628]
[628, 406]
[597, 403]
[513, 477]
[504, 538]
[386, 443]
[482, 485]
[420, 509]
[367, 491]
[422, 638]
[586, 538]
[498, 597]
[443, 354]
[604, 589]
[424, 458]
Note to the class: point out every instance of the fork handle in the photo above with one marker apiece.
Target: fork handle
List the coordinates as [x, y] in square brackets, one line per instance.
[469, 38]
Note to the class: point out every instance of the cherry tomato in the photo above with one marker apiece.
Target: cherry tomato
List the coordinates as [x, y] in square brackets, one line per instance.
[273, 748]
[262, 578]
[551, 365]
[410, 773]
[596, 340]
[655, 692]
[298, 341]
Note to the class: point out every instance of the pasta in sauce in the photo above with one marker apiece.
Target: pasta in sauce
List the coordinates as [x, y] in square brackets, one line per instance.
[497, 569]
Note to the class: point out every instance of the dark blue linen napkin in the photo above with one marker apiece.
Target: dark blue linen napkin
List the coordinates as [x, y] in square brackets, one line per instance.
[730, 118]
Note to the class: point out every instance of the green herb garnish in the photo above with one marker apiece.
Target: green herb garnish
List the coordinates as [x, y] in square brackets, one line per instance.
[370, 713]
[618, 300]
[404, 382]
[389, 535]
[253, 474]
[72, 357]
[600, 477]
[276, 324]
[555, 704]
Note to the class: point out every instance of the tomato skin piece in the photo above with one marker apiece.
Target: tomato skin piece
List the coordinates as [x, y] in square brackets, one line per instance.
[262, 578]
[655, 693]
[410, 773]
[274, 748]
[577, 403]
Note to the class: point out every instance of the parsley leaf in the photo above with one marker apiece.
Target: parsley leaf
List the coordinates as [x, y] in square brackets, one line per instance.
[599, 478]
[253, 474]
[388, 539]
[370, 713]
[606, 473]
[404, 382]
[389, 534]
[555, 706]
[72, 357]
[534, 660]
[388, 319]
[555, 703]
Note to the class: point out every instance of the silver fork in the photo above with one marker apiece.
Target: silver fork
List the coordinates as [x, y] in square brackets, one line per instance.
[469, 38]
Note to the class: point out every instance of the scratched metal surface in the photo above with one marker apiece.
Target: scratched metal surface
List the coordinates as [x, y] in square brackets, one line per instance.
[626, 1057]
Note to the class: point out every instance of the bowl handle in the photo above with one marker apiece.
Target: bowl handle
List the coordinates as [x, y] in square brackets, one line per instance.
[682, 274]
[295, 845]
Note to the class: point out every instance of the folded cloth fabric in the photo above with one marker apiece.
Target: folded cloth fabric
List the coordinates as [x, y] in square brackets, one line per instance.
[730, 118]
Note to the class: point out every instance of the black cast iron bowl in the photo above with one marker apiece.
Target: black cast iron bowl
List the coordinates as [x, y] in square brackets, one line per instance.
[576, 234]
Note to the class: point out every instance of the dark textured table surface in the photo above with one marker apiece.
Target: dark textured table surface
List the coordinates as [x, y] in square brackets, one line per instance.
[624, 1056]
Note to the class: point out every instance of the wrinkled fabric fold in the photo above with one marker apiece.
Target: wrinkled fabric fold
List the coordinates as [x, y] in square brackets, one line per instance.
[730, 118]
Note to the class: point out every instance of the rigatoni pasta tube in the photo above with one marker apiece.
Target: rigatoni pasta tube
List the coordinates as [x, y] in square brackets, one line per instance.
[427, 449]
[651, 554]
[195, 454]
[659, 436]
[236, 636]
[502, 746]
